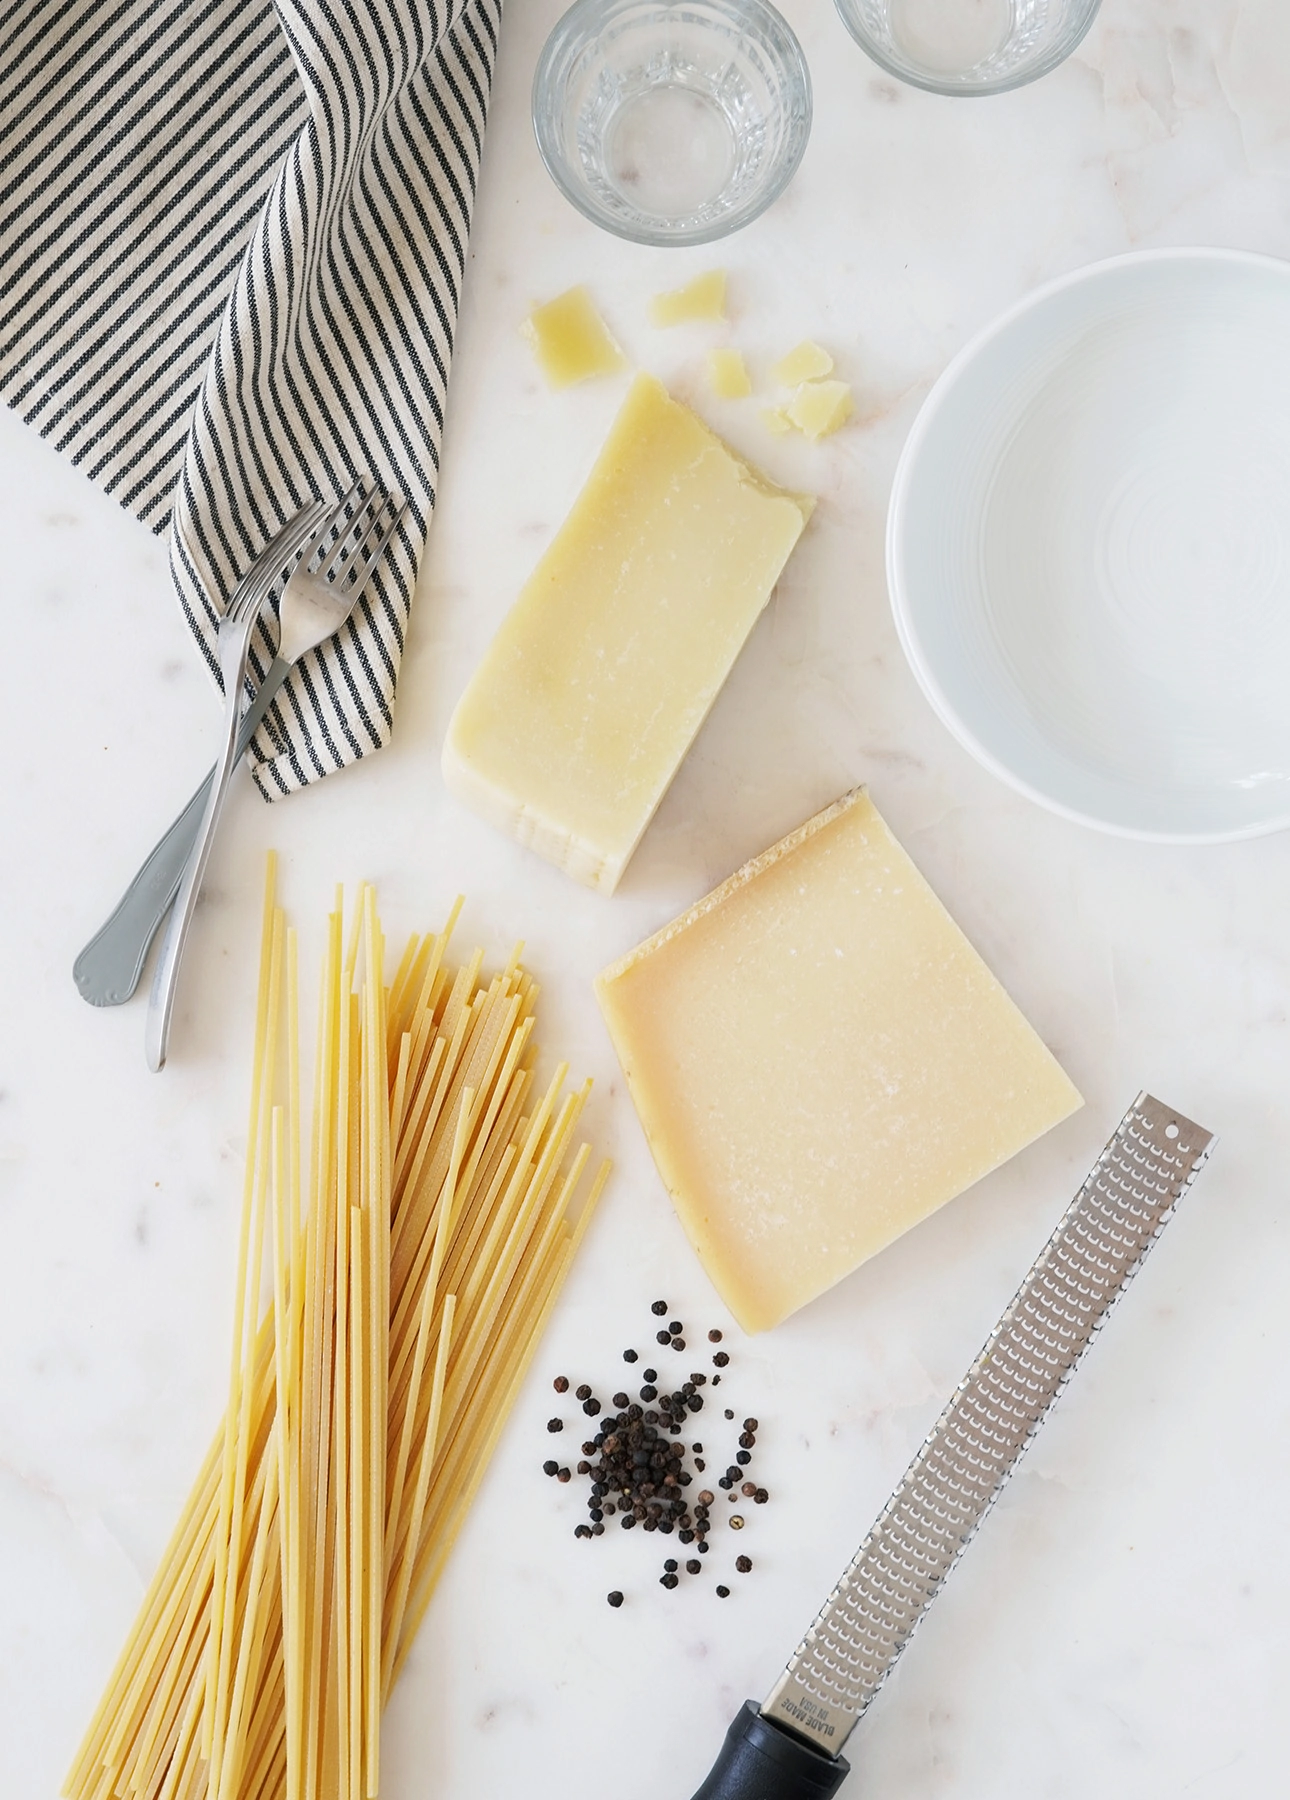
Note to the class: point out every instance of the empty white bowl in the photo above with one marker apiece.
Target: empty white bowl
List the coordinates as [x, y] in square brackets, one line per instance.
[1088, 547]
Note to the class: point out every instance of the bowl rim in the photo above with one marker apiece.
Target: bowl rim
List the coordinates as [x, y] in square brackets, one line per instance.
[576, 23]
[1088, 274]
[961, 90]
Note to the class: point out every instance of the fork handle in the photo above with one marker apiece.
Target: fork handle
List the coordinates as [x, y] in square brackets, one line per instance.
[161, 1001]
[107, 970]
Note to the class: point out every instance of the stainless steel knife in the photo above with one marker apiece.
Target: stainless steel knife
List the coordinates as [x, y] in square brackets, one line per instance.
[790, 1747]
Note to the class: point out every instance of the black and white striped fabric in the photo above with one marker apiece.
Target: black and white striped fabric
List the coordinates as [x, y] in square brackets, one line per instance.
[232, 239]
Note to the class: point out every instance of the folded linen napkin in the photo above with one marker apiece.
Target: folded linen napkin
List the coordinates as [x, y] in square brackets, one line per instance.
[232, 239]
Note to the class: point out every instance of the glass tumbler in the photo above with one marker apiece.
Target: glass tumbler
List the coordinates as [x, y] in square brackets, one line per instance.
[968, 46]
[671, 123]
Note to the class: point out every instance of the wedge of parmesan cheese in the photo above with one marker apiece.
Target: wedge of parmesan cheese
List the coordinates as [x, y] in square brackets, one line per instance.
[820, 1059]
[603, 671]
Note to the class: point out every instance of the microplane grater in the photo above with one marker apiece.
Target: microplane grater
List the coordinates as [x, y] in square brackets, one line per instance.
[789, 1748]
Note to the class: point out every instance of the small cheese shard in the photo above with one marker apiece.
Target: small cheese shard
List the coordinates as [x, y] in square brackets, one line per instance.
[728, 375]
[603, 671]
[570, 341]
[808, 362]
[820, 1059]
[702, 298]
[819, 407]
[776, 420]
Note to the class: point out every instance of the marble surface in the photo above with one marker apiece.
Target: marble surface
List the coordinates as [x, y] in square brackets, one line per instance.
[1119, 1627]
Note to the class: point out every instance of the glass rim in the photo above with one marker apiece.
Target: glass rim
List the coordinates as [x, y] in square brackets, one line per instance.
[959, 88]
[577, 30]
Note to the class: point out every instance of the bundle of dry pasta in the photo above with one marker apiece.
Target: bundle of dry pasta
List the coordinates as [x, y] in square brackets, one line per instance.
[408, 1290]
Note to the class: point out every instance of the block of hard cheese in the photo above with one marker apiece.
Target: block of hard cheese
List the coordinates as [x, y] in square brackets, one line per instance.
[820, 1059]
[603, 671]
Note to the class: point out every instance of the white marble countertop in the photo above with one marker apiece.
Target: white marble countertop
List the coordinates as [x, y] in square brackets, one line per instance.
[1120, 1626]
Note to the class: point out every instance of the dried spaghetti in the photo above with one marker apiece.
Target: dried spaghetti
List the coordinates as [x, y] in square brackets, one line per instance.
[408, 1289]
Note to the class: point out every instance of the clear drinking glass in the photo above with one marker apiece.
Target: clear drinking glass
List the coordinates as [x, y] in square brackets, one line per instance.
[671, 123]
[968, 46]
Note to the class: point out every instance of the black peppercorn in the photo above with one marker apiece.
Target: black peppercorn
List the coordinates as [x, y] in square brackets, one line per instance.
[668, 1581]
[649, 1391]
[721, 1359]
[751, 1425]
[746, 1440]
[743, 1457]
[629, 1356]
[693, 1566]
[714, 1336]
[675, 1328]
[550, 1467]
[670, 1565]
[555, 1424]
[561, 1384]
[761, 1496]
[621, 1400]
[659, 1308]
[591, 1408]
[678, 1343]
[729, 1414]
[563, 1475]
[743, 1564]
[614, 1599]
[649, 1374]
[723, 1593]
[662, 1337]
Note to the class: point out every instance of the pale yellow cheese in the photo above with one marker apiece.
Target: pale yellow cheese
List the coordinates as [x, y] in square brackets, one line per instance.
[819, 407]
[603, 671]
[702, 298]
[776, 420]
[728, 375]
[807, 362]
[820, 1059]
[570, 340]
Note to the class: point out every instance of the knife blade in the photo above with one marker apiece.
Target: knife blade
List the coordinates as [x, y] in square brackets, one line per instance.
[790, 1747]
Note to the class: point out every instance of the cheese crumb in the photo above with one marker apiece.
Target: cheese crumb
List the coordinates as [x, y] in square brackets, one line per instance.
[808, 362]
[570, 340]
[819, 407]
[702, 298]
[776, 420]
[728, 375]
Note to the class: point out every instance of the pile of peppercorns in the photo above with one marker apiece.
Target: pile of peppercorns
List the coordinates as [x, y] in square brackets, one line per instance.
[638, 1474]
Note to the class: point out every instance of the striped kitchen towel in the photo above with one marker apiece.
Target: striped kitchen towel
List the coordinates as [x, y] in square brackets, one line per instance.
[232, 239]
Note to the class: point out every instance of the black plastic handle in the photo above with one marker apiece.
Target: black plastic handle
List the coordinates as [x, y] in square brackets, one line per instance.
[761, 1761]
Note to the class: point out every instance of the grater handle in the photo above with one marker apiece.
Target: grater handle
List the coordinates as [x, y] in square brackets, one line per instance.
[762, 1761]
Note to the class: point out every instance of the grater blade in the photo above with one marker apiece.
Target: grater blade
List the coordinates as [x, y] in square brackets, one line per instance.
[897, 1572]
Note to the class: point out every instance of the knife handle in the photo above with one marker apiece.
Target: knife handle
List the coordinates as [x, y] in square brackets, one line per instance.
[762, 1761]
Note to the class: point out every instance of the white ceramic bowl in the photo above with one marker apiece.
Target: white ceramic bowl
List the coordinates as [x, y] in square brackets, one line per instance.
[1088, 547]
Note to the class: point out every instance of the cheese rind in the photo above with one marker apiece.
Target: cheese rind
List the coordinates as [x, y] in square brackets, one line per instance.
[820, 1059]
[702, 298]
[600, 676]
[570, 340]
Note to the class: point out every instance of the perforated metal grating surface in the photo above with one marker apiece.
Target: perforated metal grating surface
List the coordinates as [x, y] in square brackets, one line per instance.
[1096, 1249]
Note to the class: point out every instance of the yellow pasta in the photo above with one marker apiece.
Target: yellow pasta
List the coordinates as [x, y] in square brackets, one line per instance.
[411, 1271]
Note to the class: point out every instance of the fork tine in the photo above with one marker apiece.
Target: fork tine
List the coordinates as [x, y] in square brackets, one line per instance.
[340, 519]
[348, 559]
[250, 593]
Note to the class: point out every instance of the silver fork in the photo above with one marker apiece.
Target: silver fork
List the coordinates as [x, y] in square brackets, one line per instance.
[107, 970]
[335, 566]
